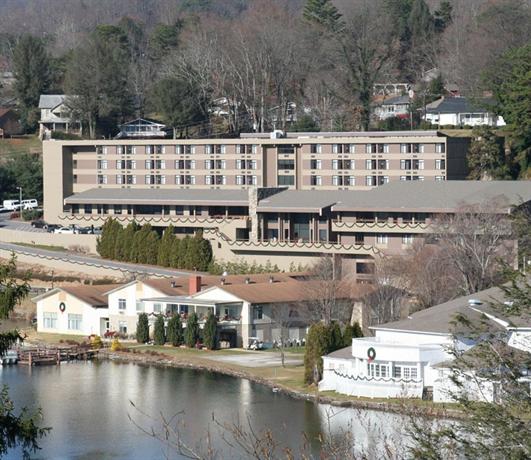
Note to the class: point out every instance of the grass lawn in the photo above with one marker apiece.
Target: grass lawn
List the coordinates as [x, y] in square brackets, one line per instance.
[51, 338]
[26, 144]
[43, 246]
[457, 132]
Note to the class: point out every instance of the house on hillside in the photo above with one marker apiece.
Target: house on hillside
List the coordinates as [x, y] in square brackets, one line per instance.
[141, 129]
[397, 106]
[459, 111]
[56, 116]
[9, 123]
[410, 357]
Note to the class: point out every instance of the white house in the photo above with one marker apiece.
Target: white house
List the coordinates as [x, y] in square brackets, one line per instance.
[76, 310]
[55, 116]
[397, 106]
[141, 129]
[406, 358]
[459, 111]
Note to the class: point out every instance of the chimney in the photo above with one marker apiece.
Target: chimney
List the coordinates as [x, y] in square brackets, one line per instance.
[194, 284]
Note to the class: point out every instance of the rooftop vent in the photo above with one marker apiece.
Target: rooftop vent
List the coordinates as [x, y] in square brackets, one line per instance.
[222, 281]
[271, 279]
[173, 284]
[247, 280]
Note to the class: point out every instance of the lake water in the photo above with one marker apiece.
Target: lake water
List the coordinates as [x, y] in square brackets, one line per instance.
[87, 406]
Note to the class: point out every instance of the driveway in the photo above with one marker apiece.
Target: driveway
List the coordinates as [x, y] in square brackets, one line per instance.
[92, 261]
[258, 359]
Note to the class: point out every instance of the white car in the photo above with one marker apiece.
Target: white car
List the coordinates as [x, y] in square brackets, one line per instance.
[65, 230]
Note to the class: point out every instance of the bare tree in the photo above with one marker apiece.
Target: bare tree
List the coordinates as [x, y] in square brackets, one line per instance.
[475, 240]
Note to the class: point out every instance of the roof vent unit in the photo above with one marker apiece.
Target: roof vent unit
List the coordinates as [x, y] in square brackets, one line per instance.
[247, 280]
[222, 281]
[271, 279]
[277, 134]
[173, 284]
[474, 302]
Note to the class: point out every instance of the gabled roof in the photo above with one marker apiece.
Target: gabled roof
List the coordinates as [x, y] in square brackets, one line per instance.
[397, 100]
[51, 101]
[456, 104]
[438, 319]
[143, 121]
[290, 291]
[344, 353]
[93, 295]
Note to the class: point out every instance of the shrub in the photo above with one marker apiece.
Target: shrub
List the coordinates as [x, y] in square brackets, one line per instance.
[31, 214]
[116, 345]
[191, 333]
[351, 332]
[175, 331]
[336, 338]
[60, 135]
[142, 328]
[210, 332]
[96, 342]
[159, 334]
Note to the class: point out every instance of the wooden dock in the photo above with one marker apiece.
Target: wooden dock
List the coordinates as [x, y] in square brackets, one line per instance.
[53, 355]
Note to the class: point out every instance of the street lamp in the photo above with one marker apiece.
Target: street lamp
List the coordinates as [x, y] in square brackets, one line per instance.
[19, 197]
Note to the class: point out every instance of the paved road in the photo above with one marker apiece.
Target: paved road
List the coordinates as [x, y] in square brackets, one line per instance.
[94, 261]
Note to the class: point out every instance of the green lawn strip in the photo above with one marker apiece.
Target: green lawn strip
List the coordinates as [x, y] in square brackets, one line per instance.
[43, 246]
[53, 339]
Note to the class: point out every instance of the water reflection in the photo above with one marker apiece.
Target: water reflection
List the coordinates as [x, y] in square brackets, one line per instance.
[87, 405]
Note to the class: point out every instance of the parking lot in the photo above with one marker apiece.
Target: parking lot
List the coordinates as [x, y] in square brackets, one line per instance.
[6, 222]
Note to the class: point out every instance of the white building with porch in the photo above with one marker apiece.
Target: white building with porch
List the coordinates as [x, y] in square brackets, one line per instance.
[406, 358]
[56, 116]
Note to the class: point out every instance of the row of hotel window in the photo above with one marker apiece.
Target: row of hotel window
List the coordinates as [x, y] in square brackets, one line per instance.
[179, 164]
[182, 179]
[185, 179]
[252, 164]
[375, 164]
[219, 149]
[50, 321]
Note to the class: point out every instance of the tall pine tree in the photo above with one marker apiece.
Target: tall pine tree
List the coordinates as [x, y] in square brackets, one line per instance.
[175, 331]
[210, 332]
[191, 333]
[159, 334]
[165, 247]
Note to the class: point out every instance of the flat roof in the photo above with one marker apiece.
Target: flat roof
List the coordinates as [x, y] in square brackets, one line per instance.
[313, 201]
[160, 197]
[433, 196]
[341, 134]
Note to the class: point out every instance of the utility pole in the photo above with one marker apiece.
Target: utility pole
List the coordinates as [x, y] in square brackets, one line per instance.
[19, 198]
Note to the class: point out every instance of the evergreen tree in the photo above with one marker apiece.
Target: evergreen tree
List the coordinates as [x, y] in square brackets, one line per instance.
[420, 22]
[164, 39]
[31, 64]
[210, 332]
[175, 331]
[191, 333]
[185, 261]
[443, 16]
[125, 242]
[351, 332]
[485, 157]
[336, 338]
[142, 328]
[176, 260]
[510, 81]
[166, 247]
[324, 13]
[145, 246]
[198, 253]
[317, 345]
[159, 334]
[107, 242]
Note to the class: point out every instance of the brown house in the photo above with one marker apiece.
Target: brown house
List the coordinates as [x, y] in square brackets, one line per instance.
[9, 123]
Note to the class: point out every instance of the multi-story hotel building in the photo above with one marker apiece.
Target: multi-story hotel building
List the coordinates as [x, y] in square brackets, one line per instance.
[286, 200]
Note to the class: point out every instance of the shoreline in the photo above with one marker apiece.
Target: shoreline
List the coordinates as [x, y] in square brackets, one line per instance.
[167, 361]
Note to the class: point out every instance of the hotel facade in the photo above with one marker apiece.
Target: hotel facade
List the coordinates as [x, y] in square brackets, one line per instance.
[286, 200]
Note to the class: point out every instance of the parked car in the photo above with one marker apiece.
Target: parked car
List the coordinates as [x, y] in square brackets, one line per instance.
[51, 228]
[255, 343]
[11, 205]
[86, 230]
[39, 223]
[65, 230]
[29, 204]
